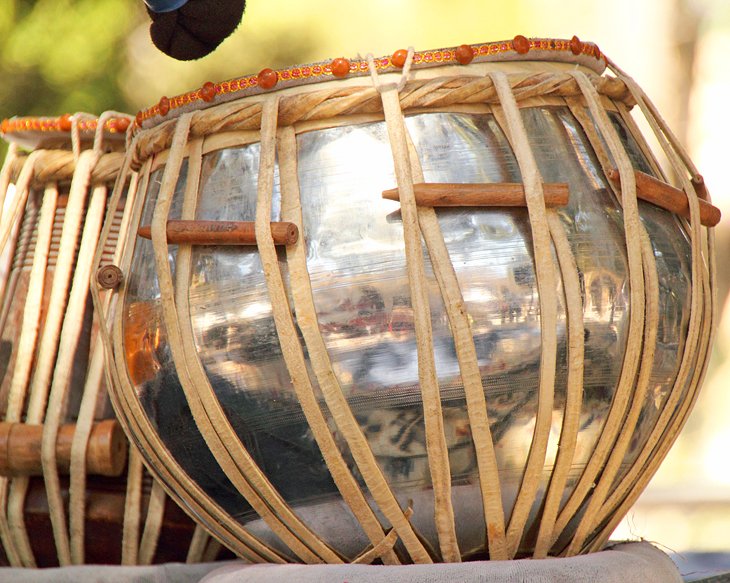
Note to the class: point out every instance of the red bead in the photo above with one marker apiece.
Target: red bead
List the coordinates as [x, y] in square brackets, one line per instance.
[576, 46]
[164, 106]
[64, 123]
[464, 54]
[399, 58]
[120, 124]
[207, 92]
[521, 45]
[340, 67]
[267, 78]
[139, 118]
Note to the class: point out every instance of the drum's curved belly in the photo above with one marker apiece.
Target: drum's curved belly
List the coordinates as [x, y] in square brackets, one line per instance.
[356, 263]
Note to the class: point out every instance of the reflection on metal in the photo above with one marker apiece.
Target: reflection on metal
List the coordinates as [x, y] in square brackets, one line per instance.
[356, 262]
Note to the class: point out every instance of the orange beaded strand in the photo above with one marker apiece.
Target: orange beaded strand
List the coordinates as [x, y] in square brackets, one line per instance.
[341, 67]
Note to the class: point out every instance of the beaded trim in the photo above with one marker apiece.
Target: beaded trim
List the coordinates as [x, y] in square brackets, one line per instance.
[16, 125]
[518, 48]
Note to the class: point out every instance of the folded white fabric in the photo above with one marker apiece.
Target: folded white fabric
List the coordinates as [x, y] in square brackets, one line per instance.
[167, 573]
[623, 563]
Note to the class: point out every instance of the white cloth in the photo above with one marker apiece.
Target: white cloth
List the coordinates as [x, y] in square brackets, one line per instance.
[167, 573]
[622, 563]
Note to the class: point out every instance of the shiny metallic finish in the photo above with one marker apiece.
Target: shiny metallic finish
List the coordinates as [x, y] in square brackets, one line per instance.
[356, 262]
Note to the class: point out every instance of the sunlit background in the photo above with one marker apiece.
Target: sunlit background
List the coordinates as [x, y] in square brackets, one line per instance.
[60, 56]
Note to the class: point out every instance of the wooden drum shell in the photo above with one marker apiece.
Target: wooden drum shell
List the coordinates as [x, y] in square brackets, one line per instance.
[113, 491]
[104, 516]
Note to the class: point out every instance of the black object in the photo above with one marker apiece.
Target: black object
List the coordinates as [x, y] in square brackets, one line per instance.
[196, 28]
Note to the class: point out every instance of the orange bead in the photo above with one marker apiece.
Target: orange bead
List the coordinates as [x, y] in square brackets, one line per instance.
[207, 92]
[521, 45]
[120, 124]
[5, 126]
[576, 46]
[464, 54]
[340, 67]
[164, 106]
[399, 58]
[64, 123]
[267, 78]
[139, 118]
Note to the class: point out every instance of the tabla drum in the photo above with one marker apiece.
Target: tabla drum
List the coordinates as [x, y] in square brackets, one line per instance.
[67, 493]
[429, 307]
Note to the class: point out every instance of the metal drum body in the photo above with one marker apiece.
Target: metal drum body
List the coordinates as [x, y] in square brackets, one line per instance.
[225, 399]
[96, 495]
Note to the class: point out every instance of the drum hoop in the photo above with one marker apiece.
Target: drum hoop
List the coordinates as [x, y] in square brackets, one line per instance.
[245, 114]
[31, 132]
[571, 51]
[59, 166]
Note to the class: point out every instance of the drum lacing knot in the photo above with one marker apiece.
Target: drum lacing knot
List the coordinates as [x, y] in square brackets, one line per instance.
[75, 132]
[404, 75]
[101, 123]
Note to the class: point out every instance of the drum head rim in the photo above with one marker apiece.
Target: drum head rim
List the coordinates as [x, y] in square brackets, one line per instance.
[34, 132]
[573, 51]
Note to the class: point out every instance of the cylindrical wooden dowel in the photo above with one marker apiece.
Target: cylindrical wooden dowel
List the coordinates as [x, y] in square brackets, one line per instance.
[109, 276]
[669, 198]
[698, 182]
[440, 194]
[20, 449]
[222, 232]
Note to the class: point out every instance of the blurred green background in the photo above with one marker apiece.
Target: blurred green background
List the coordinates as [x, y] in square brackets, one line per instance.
[59, 56]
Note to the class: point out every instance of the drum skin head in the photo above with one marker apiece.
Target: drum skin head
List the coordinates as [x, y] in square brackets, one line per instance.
[572, 52]
[55, 132]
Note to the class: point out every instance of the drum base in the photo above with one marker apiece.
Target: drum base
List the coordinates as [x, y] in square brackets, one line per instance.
[628, 562]
[104, 519]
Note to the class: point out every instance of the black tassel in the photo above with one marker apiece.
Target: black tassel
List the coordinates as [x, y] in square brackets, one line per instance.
[195, 29]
